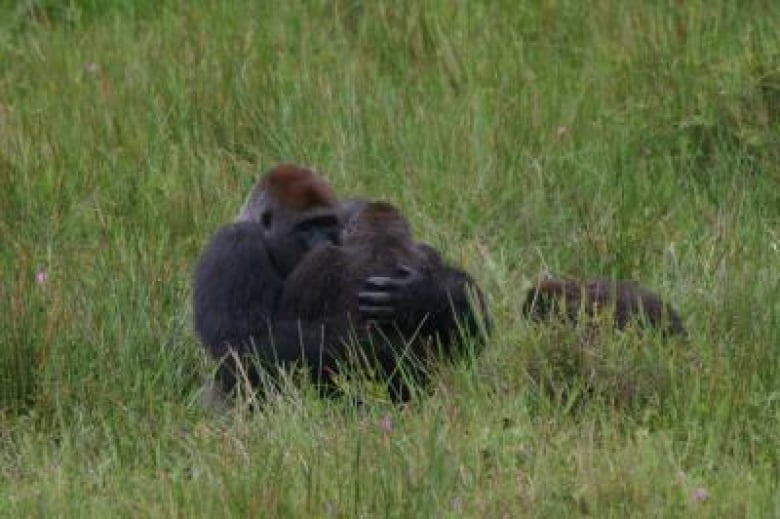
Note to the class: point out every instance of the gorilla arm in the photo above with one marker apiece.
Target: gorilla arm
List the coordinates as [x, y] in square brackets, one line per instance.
[235, 286]
[442, 300]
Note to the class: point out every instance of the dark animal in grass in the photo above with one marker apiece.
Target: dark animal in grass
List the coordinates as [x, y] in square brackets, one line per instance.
[242, 272]
[623, 302]
[425, 319]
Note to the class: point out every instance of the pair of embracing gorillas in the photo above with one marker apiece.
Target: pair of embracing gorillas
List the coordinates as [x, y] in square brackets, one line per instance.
[301, 278]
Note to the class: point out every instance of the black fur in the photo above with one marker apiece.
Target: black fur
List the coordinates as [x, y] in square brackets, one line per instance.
[300, 298]
[419, 308]
[627, 301]
[238, 281]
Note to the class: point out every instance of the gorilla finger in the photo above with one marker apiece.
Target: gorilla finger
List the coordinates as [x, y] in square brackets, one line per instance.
[372, 297]
[393, 282]
[376, 312]
[381, 281]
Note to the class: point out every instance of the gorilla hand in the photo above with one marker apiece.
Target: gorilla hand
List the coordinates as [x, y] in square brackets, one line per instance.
[382, 297]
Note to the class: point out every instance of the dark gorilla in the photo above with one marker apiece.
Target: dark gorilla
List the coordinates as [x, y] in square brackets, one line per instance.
[420, 314]
[244, 270]
[241, 275]
[625, 301]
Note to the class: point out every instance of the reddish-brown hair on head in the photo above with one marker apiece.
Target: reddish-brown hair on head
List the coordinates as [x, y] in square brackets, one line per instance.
[298, 188]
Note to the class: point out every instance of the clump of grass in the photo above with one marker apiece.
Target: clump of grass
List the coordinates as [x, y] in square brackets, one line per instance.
[596, 365]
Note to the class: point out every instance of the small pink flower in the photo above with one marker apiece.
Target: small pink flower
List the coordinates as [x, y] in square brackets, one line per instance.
[386, 425]
[42, 276]
[699, 495]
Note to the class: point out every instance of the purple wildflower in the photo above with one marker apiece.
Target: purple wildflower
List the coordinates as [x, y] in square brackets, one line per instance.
[42, 276]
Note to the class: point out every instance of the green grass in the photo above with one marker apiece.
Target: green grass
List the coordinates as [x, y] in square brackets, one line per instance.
[636, 140]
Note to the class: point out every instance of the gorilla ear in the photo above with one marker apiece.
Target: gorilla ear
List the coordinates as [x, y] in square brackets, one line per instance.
[266, 219]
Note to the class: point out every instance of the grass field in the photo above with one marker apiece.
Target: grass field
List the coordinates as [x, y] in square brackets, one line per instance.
[613, 139]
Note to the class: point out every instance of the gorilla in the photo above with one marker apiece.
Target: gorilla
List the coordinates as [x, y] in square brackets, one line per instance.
[242, 271]
[243, 297]
[626, 300]
[425, 320]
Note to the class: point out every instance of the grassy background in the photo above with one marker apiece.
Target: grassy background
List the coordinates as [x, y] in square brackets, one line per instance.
[634, 139]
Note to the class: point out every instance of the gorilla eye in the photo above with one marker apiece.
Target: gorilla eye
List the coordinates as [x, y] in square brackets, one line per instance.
[266, 219]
